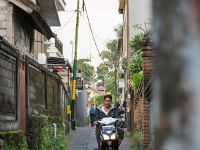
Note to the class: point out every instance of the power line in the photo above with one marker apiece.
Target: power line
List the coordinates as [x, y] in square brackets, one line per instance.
[96, 34]
[66, 11]
[93, 35]
[66, 22]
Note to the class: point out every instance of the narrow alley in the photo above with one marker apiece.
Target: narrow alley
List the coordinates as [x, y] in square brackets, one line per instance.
[84, 139]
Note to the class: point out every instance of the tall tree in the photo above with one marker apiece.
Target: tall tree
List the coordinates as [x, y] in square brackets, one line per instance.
[119, 31]
[102, 72]
[87, 70]
[112, 56]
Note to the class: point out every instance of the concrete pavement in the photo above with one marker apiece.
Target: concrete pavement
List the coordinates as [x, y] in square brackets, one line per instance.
[84, 139]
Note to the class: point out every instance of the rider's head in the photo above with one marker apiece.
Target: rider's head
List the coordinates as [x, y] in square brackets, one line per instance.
[107, 100]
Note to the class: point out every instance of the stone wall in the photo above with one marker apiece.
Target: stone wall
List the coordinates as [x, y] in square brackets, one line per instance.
[43, 91]
[16, 28]
[9, 85]
[6, 21]
[23, 32]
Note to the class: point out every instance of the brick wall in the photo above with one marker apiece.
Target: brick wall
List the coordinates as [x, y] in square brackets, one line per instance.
[148, 66]
[146, 127]
[141, 103]
[138, 115]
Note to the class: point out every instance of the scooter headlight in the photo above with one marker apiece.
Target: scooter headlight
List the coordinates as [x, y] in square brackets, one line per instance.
[113, 136]
[105, 137]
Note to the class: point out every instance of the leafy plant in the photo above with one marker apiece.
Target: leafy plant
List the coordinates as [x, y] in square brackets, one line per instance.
[48, 140]
[136, 79]
[146, 26]
[14, 140]
[98, 99]
[135, 64]
[78, 124]
[87, 70]
[43, 133]
[137, 140]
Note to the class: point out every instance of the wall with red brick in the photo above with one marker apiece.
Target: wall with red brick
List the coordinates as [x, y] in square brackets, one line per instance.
[138, 115]
[141, 103]
[146, 124]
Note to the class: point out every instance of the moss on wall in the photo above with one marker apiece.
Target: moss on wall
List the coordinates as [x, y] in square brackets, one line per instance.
[14, 140]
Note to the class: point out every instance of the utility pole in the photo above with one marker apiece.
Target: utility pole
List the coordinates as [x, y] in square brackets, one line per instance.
[72, 50]
[74, 68]
[94, 89]
[115, 87]
[104, 82]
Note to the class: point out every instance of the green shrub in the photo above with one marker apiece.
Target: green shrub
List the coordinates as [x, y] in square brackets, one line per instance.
[78, 124]
[51, 143]
[42, 134]
[14, 140]
[137, 137]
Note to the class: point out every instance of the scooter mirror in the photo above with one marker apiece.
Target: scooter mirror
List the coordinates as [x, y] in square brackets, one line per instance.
[121, 112]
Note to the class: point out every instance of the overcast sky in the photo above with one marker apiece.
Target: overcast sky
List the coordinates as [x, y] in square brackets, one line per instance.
[103, 15]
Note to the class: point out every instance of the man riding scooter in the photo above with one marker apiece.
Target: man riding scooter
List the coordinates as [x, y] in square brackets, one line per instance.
[107, 110]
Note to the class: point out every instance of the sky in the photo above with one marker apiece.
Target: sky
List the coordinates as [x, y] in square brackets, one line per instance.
[103, 16]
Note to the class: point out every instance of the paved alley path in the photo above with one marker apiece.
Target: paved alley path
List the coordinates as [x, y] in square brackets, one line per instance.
[84, 139]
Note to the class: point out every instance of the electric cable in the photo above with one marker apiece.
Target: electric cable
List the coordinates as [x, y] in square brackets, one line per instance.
[66, 22]
[96, 35]
[93, 34]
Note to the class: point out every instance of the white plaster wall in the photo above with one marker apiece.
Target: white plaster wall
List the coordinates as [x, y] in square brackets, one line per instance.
[125, 30]
[139, 12]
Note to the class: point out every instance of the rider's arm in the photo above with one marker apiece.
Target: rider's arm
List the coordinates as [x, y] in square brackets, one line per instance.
[117, 115]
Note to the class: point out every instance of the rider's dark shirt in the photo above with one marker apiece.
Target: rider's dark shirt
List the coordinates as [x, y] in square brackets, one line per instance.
[99, 114]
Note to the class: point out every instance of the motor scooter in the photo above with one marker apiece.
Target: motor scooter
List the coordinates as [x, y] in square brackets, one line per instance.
[108, 134]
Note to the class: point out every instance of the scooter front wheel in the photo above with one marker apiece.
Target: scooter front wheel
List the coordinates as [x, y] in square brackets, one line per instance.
[115, 145]
[103, 146]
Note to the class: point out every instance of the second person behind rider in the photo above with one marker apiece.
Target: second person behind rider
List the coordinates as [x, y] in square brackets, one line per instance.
[92, 114]
[107, 110]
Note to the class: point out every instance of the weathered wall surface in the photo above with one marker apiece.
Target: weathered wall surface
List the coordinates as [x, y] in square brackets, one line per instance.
[6, 21]
[143, 112]
[16, 28]
[9, 78]
[22, 95]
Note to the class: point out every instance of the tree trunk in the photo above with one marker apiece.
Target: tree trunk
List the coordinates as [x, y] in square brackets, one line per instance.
[115, 87]
[177, 76]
